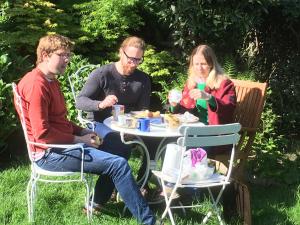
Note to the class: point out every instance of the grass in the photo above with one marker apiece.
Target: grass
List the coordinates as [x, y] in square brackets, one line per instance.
[276, 205]
[62, 204]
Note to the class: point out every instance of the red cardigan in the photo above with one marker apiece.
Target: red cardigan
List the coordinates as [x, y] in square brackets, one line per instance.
[225, 98]
[225, 103]
[45, 111]
[222, 113]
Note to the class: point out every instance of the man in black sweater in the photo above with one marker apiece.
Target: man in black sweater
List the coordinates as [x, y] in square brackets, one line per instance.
[119, 82]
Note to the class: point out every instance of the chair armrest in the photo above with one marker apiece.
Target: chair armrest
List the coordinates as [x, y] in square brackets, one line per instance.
[55, 145]
[79, 146]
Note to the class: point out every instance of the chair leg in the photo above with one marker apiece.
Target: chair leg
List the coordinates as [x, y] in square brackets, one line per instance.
[31, 197]
[29, 200]
[214, 206]
[89, 198]
[168, 200]
[206, 217]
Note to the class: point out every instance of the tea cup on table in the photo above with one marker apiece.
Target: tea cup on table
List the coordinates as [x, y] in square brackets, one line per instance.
[127, 121]
[144, 124]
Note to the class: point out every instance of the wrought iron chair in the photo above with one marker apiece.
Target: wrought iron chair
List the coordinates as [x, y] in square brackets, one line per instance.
[75, 80]
[41, 175]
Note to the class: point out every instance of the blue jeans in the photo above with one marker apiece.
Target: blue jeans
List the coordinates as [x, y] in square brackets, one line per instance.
[114, 171]
[112, 141]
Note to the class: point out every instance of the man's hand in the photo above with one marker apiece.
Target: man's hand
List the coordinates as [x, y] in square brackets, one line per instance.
[90, 139]
[97, 140]
[86, 131]
[109, 101]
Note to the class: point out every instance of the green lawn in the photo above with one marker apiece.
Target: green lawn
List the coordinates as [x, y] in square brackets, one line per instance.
[62, 204]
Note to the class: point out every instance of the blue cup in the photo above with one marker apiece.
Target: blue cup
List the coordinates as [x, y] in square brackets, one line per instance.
[144, 124]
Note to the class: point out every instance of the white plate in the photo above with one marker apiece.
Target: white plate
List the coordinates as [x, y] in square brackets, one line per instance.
[135, 112]
[162, 125]
[187, 118]
[115, 123]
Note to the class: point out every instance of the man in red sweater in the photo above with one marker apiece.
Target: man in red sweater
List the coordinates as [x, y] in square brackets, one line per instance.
[45, 115]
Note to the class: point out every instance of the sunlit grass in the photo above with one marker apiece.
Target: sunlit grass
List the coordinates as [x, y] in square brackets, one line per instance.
[62, 204]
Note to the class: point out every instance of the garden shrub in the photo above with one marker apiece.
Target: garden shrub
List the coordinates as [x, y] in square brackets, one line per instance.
[76, 62]
[8, 117]
[10, 70]
[164, 69]
[22, 23]
[107, 21]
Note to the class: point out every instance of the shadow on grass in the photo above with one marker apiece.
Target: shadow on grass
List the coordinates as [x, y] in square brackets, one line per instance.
[270, 204]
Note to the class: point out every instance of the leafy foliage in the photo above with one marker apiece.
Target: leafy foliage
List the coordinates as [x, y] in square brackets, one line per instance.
[276, 60]
[159, 65]
[165, 71]
[10, 66]
[193, 22]
[108, 20]
[23, 22]
[4, 64]
[262, 36]
[8, 117]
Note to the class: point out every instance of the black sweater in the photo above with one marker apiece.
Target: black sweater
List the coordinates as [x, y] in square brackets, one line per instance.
[133, 91]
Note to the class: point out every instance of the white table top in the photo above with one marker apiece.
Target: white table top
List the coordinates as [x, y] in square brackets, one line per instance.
[155, 131]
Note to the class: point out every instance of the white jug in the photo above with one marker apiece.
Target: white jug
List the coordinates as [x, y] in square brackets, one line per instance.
[171, 165]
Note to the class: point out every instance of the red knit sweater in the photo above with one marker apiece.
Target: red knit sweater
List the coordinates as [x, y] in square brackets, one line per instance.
[45, 111]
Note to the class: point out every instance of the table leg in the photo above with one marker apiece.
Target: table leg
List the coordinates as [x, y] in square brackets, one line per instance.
[140, 142]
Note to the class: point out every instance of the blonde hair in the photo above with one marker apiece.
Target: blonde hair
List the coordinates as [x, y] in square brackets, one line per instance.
[216, 74]
[51, 43]
[134, 41]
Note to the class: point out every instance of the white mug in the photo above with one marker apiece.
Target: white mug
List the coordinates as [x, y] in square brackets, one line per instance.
[175, 96]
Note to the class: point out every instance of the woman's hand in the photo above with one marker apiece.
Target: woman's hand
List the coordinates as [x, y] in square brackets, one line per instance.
[198, 94]
[171, 101]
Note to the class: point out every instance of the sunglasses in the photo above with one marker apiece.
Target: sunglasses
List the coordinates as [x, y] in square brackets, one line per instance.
[133, 59]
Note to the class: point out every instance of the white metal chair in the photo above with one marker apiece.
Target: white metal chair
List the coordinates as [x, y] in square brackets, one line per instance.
[202, 136]
[74, 80]
[39, 174]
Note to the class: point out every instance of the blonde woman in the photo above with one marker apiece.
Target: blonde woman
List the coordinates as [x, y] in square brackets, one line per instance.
[208, 92]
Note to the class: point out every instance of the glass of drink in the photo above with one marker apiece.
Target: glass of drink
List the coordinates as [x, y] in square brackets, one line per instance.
[117, 110]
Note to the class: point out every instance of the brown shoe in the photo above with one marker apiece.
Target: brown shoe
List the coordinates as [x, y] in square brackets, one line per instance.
[96, 209]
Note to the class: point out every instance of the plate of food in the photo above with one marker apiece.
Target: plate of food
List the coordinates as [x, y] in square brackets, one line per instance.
[187, 118]
[145, 114]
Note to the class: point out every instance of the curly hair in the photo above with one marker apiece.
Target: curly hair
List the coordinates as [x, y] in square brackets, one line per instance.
[51, 43]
